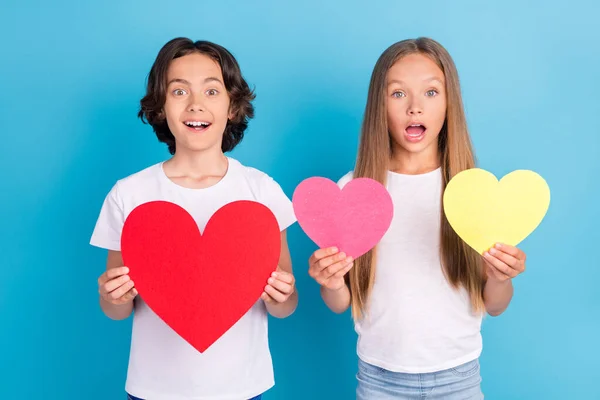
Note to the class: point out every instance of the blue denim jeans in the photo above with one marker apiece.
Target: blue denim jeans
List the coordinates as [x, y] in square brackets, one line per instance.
[130, 397]
[462, 382]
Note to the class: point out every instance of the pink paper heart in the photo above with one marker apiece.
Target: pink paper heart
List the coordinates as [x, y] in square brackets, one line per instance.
[353, 219]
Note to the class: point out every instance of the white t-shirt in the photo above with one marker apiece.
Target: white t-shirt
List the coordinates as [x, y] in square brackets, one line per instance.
[162, 365]
[415, 321]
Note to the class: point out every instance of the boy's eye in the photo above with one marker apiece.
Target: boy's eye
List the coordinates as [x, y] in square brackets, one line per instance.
[179, 92]
[398, 94]
[431, 92]
[212, 92]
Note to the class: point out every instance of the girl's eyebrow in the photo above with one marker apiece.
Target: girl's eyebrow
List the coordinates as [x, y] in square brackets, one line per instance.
[430, 79]
[435, 78]
[395, 81]
[185, 82]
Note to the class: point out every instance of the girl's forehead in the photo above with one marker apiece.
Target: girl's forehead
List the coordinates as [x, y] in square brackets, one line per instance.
[415, 67]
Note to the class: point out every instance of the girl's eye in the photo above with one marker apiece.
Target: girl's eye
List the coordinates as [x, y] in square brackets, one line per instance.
[179, 92]
[398, 94]
[431, 93]
[212, 92]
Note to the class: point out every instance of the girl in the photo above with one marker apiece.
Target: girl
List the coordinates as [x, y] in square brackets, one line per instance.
[418, 298]
[199, 104]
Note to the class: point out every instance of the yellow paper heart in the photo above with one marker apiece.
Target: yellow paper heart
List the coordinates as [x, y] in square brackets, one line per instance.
[483, 211]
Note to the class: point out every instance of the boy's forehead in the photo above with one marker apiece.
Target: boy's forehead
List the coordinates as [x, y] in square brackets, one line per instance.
[193, 67]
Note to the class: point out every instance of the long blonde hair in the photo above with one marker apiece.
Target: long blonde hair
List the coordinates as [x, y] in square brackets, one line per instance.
[462, 265]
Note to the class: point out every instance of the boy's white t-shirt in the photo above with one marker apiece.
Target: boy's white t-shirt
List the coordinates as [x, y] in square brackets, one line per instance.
[162, 365]
[415, 321]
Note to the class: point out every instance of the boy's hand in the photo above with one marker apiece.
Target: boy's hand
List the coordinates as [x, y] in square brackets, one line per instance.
[116, 287]
[280, 286]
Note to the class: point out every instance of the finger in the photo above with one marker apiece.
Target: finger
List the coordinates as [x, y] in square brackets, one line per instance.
[343, 271]
[335, 268]
[511, 250]
[126, 298]
[275, 294]
[130, 295]
[322, 253]
[116, 272]
[266, 298]
[283, 276]
[492, 271]
[102, 279]
[281, 286]
[323, 263]
[499, 265]
[119, 292]
[329, 261]
[114, 284]
[506, 258]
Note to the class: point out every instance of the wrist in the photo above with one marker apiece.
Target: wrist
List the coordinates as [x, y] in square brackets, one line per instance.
[337, 290]
[116, 306]
[500, 283]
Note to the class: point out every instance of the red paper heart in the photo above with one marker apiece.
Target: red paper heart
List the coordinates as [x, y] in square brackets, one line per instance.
[200, 284]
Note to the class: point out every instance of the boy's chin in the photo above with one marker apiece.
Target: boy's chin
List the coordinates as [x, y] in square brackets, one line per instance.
[190, 147]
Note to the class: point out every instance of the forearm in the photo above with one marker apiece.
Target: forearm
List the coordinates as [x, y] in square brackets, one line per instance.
[114, 311]
[497, 296]
[338, 300]
[285, 309]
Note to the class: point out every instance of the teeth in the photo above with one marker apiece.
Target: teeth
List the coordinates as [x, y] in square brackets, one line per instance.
[197, 123]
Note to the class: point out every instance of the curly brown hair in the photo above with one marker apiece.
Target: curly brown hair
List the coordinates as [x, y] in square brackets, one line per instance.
[241, 95]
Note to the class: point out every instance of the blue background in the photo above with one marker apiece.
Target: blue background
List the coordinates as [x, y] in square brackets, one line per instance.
[71, 76]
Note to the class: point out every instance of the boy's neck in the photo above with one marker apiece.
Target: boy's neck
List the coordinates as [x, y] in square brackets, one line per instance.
[197, 169]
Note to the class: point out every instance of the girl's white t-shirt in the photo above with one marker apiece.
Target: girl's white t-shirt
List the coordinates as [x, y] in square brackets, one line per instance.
[415, 321]
[162, 365]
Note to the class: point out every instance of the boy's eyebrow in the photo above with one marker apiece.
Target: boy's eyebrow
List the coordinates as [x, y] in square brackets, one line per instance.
[179, 80]
[431, 79]
[185, 82]
[212, 79]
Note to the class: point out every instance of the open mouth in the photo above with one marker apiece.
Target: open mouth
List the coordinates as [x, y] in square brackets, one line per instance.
[415, 132]
[197, 126]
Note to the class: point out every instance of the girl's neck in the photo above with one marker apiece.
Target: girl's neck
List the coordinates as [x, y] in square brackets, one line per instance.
[404, 162]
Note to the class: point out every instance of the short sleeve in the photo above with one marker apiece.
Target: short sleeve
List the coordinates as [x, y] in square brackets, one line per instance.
[345, 179]
[272, 196]
[107, 232]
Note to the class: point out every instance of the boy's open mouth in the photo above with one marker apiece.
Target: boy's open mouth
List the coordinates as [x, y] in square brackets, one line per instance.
[197, 126]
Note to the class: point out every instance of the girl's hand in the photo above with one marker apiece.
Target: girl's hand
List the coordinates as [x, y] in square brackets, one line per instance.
[504, 262]
[116, 287]
[328, 267]
[280, 286]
